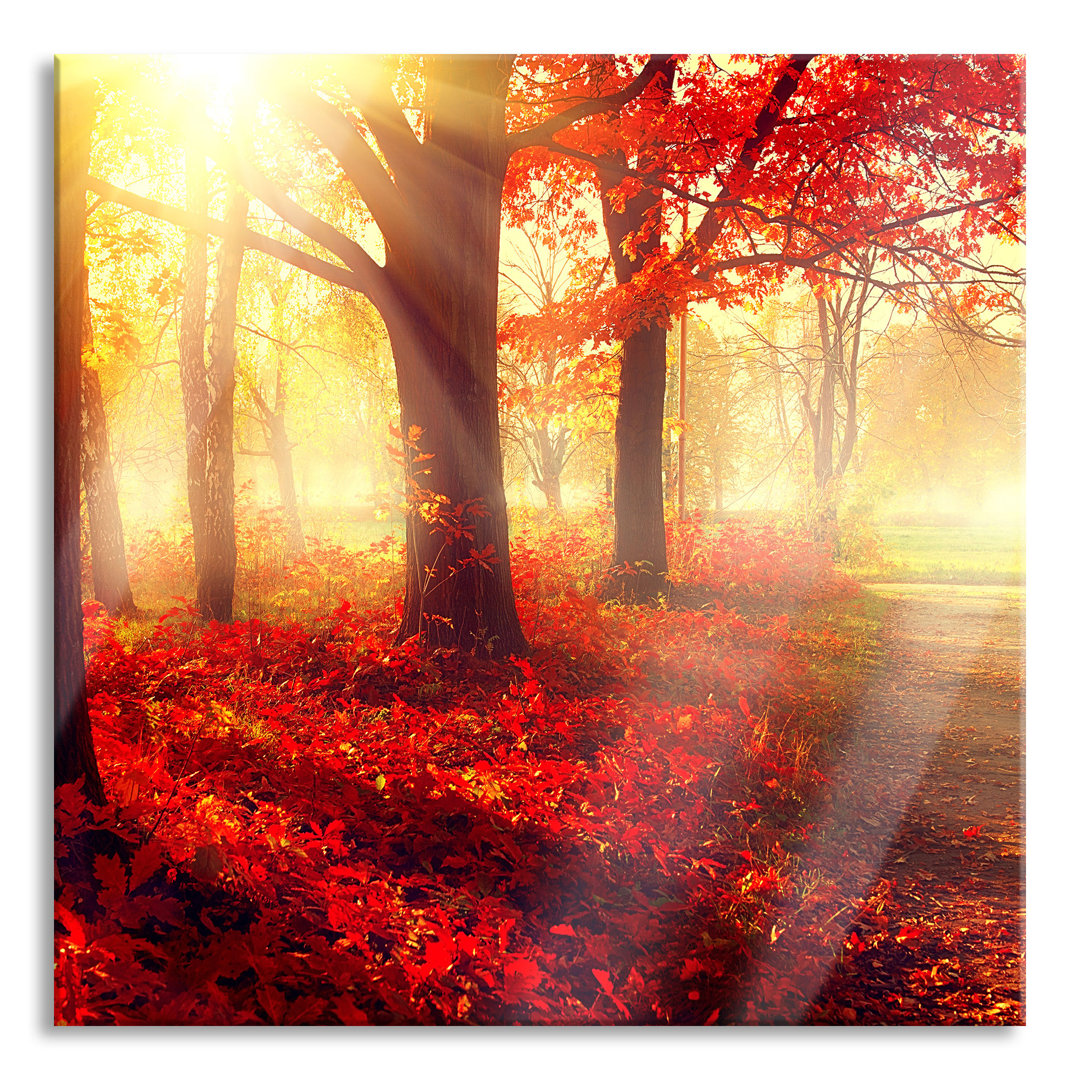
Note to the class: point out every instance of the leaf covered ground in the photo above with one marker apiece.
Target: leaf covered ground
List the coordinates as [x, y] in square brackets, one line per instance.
[309, 826]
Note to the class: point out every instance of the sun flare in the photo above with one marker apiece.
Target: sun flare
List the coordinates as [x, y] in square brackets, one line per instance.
[218, 72]
[214, 77]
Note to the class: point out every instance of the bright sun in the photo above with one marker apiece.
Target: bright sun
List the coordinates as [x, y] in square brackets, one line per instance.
[215, 76]
[214, 71]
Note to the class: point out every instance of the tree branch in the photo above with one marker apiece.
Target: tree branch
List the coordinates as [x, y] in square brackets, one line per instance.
[708, 228]
[334, 130]
[356, 279]
[383, 116]
[539, 134]
[266, 191]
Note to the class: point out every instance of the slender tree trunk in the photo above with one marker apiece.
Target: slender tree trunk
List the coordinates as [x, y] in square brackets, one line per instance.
[849, 373]
[552, 455]
[112, 586]
[442, 327]
[778, 400]
[277, 442]
[718, 485]
[826, 406]
[73, 750]
[215, 588]
[279, 450]
[193, 360]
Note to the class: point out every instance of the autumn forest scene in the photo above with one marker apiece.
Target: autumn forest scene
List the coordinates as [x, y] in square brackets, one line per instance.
[539, 540]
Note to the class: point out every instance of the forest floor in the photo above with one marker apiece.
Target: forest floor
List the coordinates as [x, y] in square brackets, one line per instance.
[926, 826]
[794, 801]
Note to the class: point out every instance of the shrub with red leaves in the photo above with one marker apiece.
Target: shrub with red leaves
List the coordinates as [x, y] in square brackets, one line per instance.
[309, 826]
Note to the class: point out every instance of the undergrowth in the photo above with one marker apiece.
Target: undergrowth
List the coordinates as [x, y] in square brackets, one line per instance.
[307, 825]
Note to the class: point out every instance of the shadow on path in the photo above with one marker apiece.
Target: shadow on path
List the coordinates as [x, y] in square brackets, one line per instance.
[919, 856]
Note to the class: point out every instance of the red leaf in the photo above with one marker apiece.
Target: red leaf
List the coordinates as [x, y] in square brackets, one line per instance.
[72, 924]
[348, 1013]
[111, 872]
[604, 979]
[273, 1002]
[440, 953]
[564, 930]
[745, 706]
[144, 862]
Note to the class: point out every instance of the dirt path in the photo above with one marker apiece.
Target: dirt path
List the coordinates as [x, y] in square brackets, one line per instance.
[922, 851]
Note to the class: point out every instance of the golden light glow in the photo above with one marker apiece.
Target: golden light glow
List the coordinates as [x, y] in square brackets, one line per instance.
[212, 71]
[215, 77]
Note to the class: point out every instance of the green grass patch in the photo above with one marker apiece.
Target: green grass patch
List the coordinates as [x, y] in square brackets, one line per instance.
[965, 555]
[841, 641]
[356, 531]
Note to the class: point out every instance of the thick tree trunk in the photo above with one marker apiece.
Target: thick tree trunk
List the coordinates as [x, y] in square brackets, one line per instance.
[112, 586]
[193, 360]
[73, 750]
[215, 588]
[639, 560]
[442, 327]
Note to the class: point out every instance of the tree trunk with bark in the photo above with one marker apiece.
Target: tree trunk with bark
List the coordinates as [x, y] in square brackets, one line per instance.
[279, 450]
[550, 459]
[193, 359]
[112, 586]
[215, 587]
[839, 325]
[437, 200]
[822, 418]
[718, 484]
[73, 748]
[281, 454]
[639, 557]
[442, 326]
